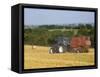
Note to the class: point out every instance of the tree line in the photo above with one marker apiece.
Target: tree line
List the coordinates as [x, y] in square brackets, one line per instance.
[44, 35]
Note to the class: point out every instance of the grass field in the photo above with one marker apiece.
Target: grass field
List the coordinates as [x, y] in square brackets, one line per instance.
[40, 58]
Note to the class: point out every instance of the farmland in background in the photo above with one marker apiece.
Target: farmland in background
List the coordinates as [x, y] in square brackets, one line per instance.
[44, 35]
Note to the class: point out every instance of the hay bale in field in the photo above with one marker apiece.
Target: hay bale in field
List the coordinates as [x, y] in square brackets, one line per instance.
[33, 46]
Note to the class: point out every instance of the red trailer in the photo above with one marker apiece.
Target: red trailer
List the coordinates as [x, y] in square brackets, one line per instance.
[80, 43]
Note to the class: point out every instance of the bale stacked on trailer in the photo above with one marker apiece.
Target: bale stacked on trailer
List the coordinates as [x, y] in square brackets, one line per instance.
[80, 44]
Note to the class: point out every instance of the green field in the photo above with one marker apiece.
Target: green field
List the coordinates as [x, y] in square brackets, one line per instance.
[39, 57]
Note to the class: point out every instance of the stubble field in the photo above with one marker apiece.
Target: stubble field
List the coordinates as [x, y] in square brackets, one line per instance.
[39, 57]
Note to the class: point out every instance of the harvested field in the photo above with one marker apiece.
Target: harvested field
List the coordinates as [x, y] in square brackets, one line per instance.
[39, 57]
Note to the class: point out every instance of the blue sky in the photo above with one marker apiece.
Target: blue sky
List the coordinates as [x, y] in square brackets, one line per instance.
[45, 16]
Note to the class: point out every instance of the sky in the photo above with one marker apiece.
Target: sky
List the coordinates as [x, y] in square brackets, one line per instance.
[48, 16]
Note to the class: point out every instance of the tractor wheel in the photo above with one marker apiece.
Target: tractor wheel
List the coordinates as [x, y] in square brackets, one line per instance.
[51, 50]
[74, 50]
[83, 50]
[80, 50]
[61, 50]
